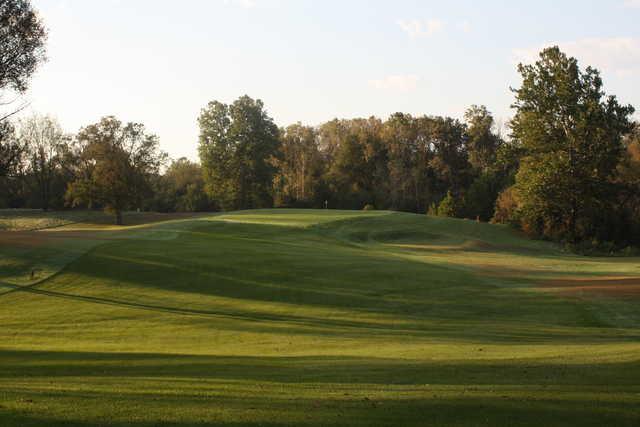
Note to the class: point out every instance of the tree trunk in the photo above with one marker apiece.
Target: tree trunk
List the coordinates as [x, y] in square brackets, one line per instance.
[118, 217]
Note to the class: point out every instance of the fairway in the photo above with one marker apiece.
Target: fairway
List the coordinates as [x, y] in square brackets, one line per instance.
[313, 318]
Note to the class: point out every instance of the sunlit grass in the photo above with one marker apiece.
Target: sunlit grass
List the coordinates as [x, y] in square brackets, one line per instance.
[290, 317]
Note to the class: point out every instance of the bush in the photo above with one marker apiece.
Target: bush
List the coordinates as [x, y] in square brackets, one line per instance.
[449, 206]
[595, 247]
[480, 198]
[369, 207]
[506, 211]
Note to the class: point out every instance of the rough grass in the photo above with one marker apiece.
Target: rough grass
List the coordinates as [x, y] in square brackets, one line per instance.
[317, 318]
[36, 219]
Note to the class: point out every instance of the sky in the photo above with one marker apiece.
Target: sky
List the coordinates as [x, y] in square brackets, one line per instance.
[159, 62]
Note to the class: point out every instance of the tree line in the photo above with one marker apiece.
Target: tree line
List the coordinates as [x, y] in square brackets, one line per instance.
[566, 168]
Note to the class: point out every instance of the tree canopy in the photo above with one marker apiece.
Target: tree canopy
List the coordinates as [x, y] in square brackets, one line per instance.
[118, 160]
[23, 44]
[238, 145]
[572, 133]
[22, 49]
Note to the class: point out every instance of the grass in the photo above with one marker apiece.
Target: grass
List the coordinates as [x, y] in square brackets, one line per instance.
[316, 318]
[36, 219]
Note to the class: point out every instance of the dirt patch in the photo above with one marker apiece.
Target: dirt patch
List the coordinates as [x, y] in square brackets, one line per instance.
[31, 220]
[618, 287]
[501, 272]
[153, 217]
[39, 238]
[86, 230]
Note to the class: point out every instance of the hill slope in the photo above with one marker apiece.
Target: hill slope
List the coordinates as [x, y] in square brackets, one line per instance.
[289, 317]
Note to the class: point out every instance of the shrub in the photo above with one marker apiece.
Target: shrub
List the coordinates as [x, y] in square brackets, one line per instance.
[449, 206]
[506, 211]
[480, 198]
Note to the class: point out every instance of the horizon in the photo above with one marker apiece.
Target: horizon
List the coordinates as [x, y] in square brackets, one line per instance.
[132, 67]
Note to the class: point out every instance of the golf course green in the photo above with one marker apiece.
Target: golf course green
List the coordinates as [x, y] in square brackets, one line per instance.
[313, 318]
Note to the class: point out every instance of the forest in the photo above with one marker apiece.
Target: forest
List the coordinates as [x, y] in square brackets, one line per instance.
[566, 167]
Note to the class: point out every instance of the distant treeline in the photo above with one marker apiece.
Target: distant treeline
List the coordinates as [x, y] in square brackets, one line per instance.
[567, 168]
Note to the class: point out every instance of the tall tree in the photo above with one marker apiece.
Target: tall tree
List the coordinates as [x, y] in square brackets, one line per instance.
[22, 44]
[119, 160]
[186, 184]
[401, 138]
[356, 154]
[482, 142]
[449, 159]
[22, 49]
[628, 182]
[46, 145]
[571, 133]
[300, 166]
[11, 151]
[238, 145]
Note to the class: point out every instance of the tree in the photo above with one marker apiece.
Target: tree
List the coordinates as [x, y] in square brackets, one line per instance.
[11, 156]
[357, 161]
[401, 138]
[628, 183]
[300, 166]
[46, 145]
[480, 198]
[119, 161]
[571, 133]
[22, 45]
[11, 151]
[238, 145]
[482, 142]
[22, 48]
[186, 186]
[448, 160]
[449, 206]
[506, 209]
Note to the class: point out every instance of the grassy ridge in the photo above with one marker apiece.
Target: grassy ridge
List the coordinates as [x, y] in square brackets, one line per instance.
[318, 318]
[36, 219]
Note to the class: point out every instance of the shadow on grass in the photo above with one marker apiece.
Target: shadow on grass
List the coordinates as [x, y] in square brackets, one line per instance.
[498, 411]
[276, 264]
[98, 389]
[318, 369]
[263, 322]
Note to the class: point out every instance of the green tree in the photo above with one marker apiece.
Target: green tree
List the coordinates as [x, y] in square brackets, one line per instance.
[22, 44]
[300, 166]
[185, 183]
[482, 142]
[400, 134]
[571, 133]
[357, 158]
[480, 198]
[449, 206]
[22, 49]
[449, 160]
[628, 182]
[238, 145]
[119, 160]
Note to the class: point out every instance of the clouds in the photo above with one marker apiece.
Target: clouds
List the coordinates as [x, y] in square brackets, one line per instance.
[617, 55]
[416, 28]
[398, 83]
[632, 3]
